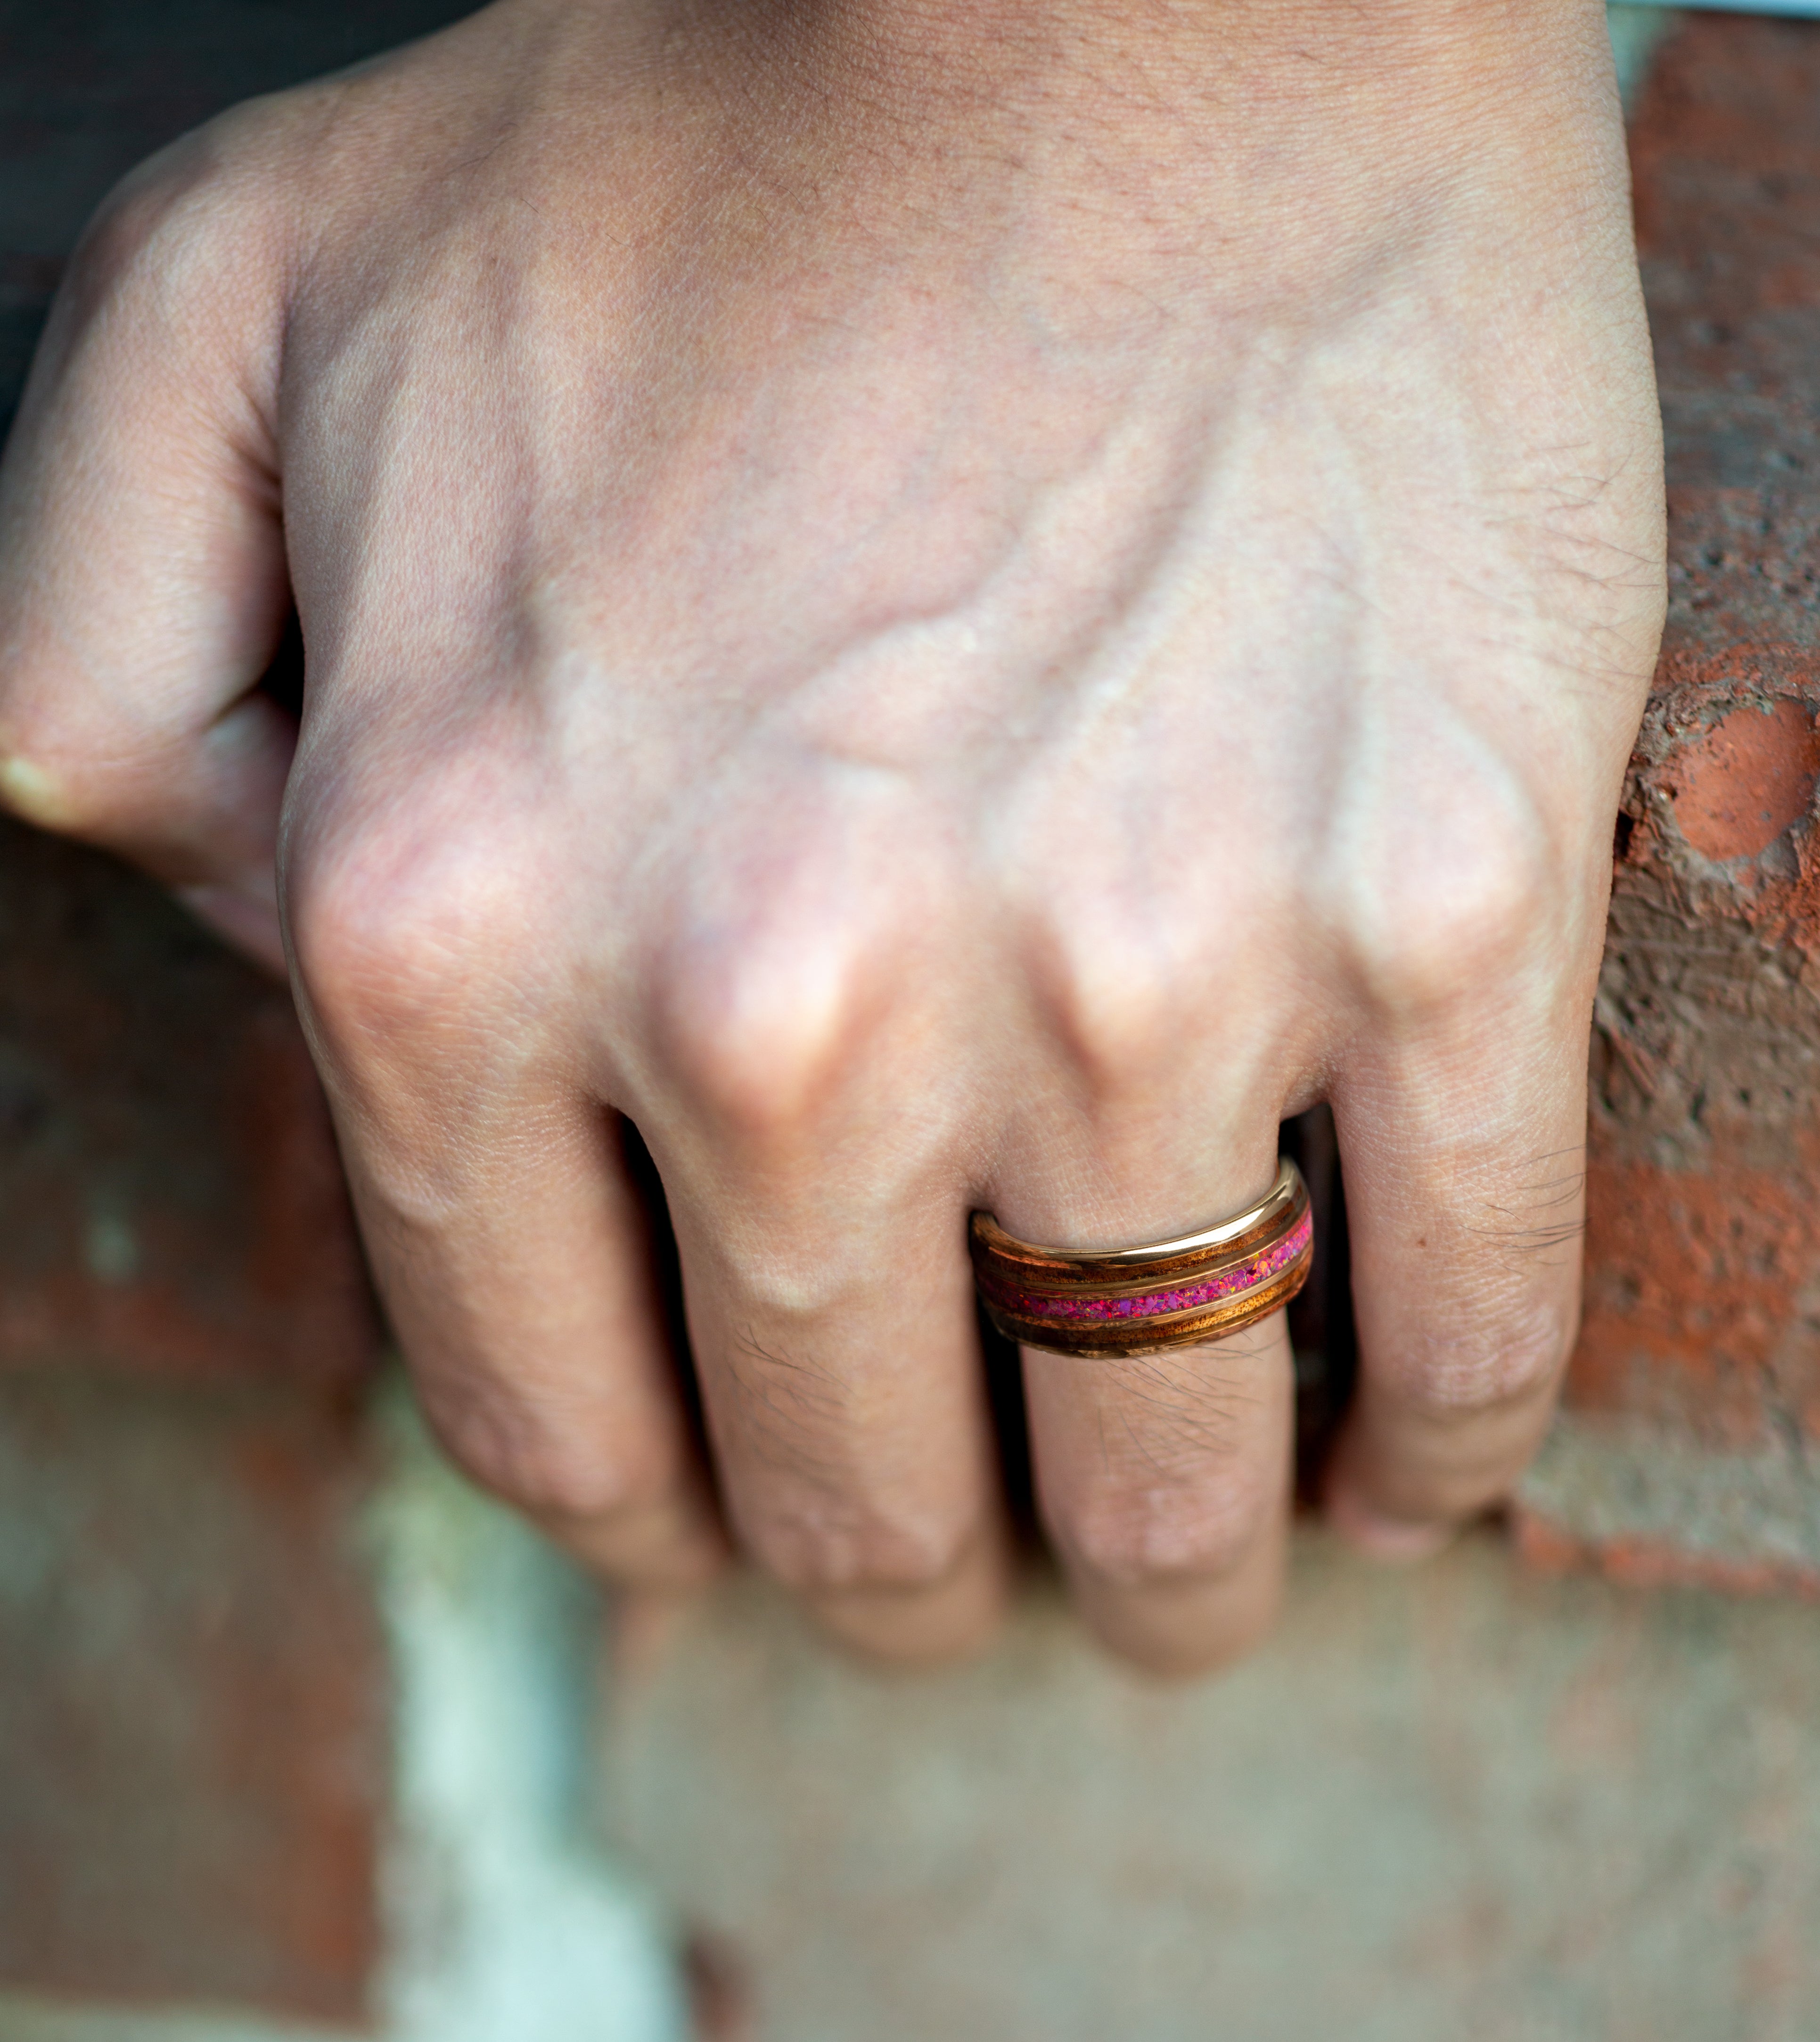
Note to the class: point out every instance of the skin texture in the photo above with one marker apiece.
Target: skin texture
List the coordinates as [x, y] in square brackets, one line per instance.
[944, 608]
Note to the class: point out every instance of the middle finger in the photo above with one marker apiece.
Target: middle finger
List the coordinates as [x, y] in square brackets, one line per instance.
[838, 1359]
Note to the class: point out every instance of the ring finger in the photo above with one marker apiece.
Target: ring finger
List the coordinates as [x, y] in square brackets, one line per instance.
[1163, 1476]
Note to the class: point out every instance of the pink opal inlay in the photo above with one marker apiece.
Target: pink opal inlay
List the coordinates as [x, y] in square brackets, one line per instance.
[1228, 1284]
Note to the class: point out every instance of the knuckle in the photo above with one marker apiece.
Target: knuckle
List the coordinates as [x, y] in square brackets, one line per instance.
[760, 1028]
[403, 925]
[1113, 994]
[180, 213]
[1435, 921]
[536, 1462]
[1483, 1370]
[1135, 1537]
[133, 230]
[834, 1549]
[785, 1269]
[1131, 935]
[139, 228]
[789, 975]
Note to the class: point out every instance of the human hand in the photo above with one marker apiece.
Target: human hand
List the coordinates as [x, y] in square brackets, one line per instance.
[944, 608]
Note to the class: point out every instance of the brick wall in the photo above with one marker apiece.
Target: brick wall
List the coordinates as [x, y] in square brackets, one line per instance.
[193, 1716]
[1694, 1397]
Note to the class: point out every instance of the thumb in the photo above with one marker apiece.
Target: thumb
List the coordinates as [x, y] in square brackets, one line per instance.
[143, 583]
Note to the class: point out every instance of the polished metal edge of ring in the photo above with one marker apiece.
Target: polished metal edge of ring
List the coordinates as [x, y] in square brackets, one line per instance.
[995, 1270]
[1283, 1192]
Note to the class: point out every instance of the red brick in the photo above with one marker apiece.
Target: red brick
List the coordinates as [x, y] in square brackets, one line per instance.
[1698, 1303]
[1703, 1310]
[193, 1719]
[1654, 1563]
[192, 1713]
[1737, 789]
[170, 1199]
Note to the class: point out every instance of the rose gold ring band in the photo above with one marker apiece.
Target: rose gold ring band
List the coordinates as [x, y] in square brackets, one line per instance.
[1129, 1301]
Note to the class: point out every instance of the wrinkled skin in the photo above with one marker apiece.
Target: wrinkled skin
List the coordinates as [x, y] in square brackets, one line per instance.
[943, 607]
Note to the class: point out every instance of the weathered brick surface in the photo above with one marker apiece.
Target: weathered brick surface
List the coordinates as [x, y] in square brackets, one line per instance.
[1695, 1395]
[192, 1697]
[170, 1200]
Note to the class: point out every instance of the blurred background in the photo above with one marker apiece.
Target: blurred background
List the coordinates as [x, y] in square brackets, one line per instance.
[300, 1738]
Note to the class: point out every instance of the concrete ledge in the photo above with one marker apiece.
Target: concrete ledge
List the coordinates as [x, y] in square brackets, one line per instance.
[27, 2020]
[1456, 1802]
[1653, 1506]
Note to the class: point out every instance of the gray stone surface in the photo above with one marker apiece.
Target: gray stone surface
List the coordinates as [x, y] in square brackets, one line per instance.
[1459, 1805]
[1621, 1480]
